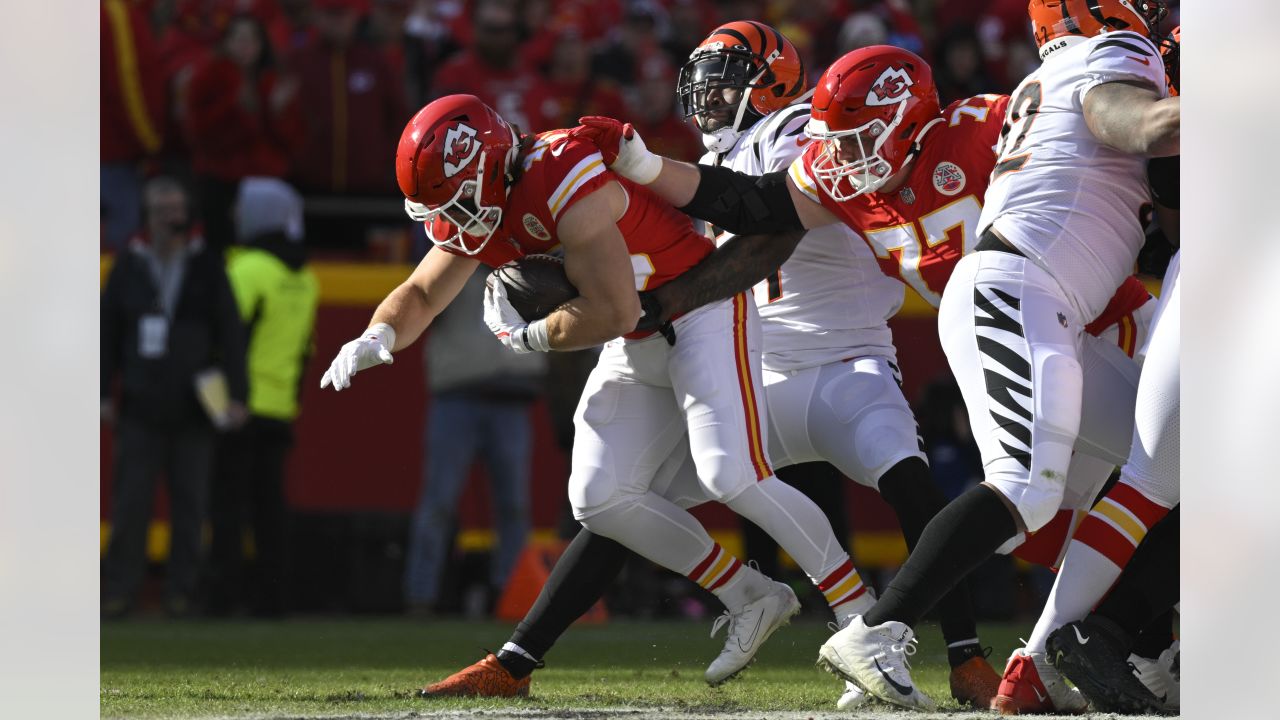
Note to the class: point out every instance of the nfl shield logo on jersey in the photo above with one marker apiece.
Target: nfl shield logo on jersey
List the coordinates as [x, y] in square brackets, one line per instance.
[534, 227]
[948, 178]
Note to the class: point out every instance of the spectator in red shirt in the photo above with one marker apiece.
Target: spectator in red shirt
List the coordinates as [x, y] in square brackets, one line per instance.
[241, 119]
[574, 90]
[131, 119]
[489, 69]
[353, 100]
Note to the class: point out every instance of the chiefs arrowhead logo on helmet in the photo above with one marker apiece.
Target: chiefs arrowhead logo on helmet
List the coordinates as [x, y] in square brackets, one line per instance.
[890, 87]
[460, 147]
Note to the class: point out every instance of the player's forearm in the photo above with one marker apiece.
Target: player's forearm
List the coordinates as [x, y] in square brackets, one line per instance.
[407, 311]
[677, 182]
[1163, 128]
[585, 322]
[734, 267]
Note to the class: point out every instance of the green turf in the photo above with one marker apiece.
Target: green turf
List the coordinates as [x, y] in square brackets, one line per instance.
[316, 668]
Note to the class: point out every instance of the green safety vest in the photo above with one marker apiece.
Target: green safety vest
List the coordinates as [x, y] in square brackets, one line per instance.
[279, 305]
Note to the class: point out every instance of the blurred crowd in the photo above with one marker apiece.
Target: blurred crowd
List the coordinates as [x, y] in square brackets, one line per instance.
[317, 91]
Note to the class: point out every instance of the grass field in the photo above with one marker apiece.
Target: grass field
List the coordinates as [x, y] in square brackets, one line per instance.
[371, 669]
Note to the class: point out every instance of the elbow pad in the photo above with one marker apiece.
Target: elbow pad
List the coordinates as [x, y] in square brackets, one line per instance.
[742, 203]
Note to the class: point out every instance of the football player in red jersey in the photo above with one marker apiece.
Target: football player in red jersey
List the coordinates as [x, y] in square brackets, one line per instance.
[489, 195]
[910, 177]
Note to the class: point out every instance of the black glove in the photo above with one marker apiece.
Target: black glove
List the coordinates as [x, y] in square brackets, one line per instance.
[652, 310]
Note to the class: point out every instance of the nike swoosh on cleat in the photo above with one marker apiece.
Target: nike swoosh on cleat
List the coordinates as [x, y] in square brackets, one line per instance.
[1144, 61]
[1083, 640]
[752, 637]
[1036, 690]
[904, 689]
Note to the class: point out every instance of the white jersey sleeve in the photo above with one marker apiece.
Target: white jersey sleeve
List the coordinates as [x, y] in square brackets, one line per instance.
[1119, 57]
[829, 301]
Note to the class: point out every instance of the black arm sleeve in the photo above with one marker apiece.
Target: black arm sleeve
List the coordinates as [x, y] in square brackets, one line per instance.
[742, 204]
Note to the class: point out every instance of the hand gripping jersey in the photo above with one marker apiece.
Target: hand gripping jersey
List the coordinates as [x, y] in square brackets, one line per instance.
[829, 301]
[1065, 200]
[559, 172]
[921, 231]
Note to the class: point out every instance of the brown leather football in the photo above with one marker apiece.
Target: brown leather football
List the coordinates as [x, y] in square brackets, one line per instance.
[536, 285]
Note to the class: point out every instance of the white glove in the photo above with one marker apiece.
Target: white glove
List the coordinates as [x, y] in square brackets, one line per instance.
[371, 348]
[507, 325]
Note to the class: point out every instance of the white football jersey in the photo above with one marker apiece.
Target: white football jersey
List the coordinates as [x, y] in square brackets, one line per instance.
[1057, 194]
[829, 301]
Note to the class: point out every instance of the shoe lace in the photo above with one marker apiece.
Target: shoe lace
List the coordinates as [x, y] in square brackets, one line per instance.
[891, 652]
[727, 617]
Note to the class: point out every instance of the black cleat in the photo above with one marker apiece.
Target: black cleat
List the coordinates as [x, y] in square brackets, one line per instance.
[1092, 654]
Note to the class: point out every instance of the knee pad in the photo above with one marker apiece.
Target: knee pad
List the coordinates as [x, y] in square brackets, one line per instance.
[1037, 499]
[883, 433]
[1040, 504]
[722, 476]
[883, 437]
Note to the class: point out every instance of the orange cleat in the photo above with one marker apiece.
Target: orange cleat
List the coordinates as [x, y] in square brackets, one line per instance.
[975, 683]
[1031, 686]
[486, 678]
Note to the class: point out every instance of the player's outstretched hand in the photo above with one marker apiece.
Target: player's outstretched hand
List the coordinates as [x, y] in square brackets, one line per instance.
[621, 147]
[506, 324]
[371, 348]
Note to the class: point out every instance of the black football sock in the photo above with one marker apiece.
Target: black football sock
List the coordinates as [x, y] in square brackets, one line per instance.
[1148, 586]
[960, 537]
[580, 577]
[909, 489]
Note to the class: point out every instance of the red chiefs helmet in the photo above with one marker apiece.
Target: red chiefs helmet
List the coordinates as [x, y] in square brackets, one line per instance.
[1059, 24]
[453, 163]
[877, 102]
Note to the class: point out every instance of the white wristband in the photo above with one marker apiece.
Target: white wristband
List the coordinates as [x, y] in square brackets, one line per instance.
[385, 332]
[643, 169]
[535, 336]
[647, 168]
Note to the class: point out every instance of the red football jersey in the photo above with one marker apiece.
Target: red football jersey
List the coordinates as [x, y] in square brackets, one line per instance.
[921, 231]
[559, 172]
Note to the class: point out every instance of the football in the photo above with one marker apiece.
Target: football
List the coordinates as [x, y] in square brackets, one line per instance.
[536, 285]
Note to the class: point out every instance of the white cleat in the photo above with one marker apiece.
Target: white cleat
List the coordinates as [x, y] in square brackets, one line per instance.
[852, 698]
[749, 629]
[875, 659]
[1160, 676]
